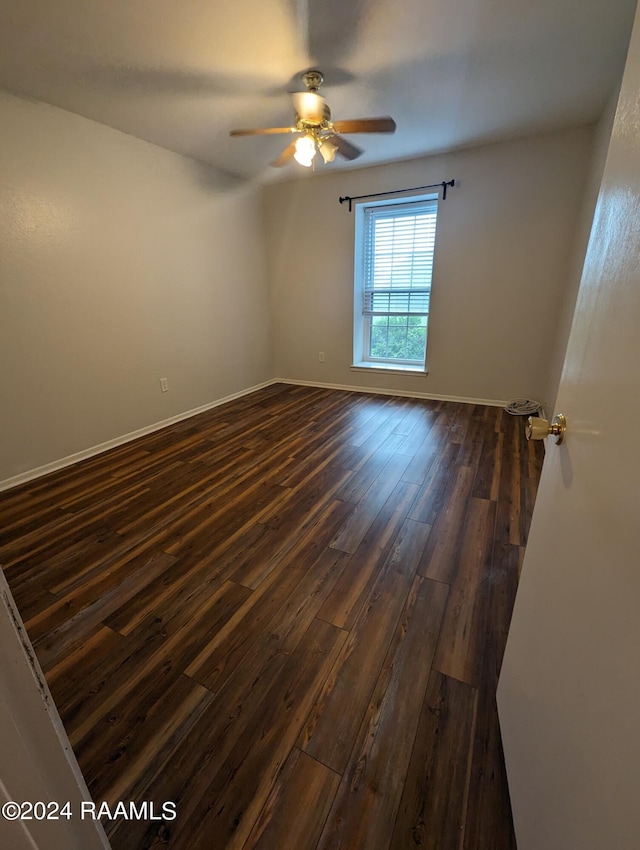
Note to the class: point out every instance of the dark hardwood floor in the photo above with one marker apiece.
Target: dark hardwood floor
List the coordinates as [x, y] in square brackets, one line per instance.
[287, 615]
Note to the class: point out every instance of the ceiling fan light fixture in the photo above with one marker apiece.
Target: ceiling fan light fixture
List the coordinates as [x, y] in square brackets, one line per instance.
[305, 150]
[315, 130]
[328, 150]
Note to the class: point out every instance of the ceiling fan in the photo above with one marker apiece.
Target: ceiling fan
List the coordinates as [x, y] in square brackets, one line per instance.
[315, 131]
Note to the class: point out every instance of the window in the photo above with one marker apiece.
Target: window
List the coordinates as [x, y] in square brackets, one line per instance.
[393, 268]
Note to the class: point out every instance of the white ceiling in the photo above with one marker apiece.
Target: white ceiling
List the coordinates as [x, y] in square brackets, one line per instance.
[182, 73]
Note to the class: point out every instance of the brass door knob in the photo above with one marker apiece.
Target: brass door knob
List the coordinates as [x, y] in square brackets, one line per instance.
[538, 429]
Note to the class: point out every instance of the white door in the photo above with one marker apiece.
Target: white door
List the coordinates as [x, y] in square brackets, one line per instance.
[569, 694]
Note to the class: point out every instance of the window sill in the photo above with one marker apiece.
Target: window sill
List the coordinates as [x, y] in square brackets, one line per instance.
[386, 368]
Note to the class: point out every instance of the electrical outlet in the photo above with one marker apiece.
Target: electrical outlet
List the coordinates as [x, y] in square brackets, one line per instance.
[321, 356]
[164, 385]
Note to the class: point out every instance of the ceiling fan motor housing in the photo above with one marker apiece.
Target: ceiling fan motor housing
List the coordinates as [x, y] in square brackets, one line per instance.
[313, 80]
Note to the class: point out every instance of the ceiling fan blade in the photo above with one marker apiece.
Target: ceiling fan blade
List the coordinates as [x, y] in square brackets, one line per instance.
[345, 148]
[365, 125]
[286, 155]
[263, 131]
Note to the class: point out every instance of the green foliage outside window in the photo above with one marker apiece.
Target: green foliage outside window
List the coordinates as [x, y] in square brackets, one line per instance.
[398, 337]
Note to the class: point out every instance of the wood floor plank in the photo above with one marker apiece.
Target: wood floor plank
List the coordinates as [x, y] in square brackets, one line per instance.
[136, 664]
[148, 542]
[85, 670]
[357, 485]
[421, 462]
[134, 740]
[367, 801]
[432, 493]
[494, 604]
[375, 424]
[239, 702]
[176, 598]
[261, 549]
[247, 740]
[304, 785]
[66, 565]
[371, 426]
[122, 578]
[236, 705]
[489, 466]
[433, 809]
[461, 630]
[69, 620]
[488, 822]
[311, 493]
[318, 454]
[226, 816]
[26, 523]
[32, 600]
[196, 573]
[402, 540]
[432, 443]
[74, 528]
[232, 642]
[35, 496]
[414, 441]
[368, 508]
[330, 730]
[218, 660]
[216, 532]
[459, 422]
[471, 448]
[221, 482]
[441, 552]
[30, 543]
[508, 526]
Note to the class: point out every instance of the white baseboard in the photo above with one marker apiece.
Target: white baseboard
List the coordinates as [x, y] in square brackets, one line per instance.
[490, 402]
[39, 471]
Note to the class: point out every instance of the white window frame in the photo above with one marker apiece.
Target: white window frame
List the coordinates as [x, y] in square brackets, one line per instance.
[362, 322]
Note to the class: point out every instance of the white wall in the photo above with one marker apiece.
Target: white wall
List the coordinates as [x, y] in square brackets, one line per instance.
[503, 254]
[120, 263]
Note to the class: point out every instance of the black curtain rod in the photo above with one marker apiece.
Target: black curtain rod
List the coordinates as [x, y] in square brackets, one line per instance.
[442, 185]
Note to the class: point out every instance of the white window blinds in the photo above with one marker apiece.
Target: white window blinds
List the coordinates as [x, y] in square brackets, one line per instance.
[399, 243]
